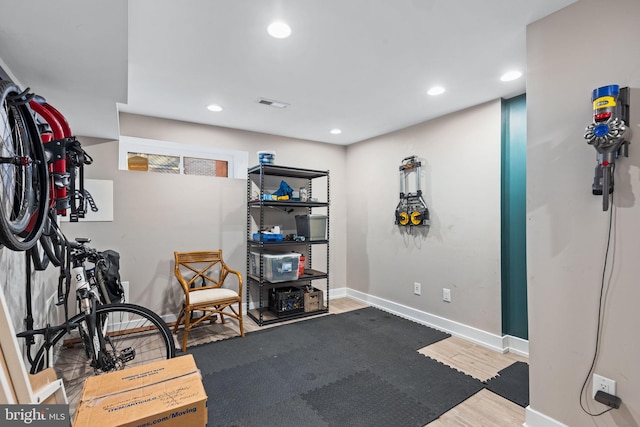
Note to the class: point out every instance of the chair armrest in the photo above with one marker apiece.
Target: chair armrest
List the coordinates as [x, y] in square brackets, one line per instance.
[225, 273]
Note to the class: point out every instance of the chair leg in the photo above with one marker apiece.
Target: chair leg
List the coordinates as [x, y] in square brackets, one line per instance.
[187, 325]
[240, 319]
[175, 327]
[221, 313]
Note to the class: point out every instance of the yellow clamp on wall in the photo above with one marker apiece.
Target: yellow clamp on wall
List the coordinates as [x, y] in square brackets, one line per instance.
[404, 218]
[416, 218]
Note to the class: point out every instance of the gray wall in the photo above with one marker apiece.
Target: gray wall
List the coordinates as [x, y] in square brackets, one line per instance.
[44, 284]
[460, 156]
[587, 45]
[156, 214]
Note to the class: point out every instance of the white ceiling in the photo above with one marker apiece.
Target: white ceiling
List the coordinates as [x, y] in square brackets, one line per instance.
[363, 66]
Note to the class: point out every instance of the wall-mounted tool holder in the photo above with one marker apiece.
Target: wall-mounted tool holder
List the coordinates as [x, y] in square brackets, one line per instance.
[412, 209]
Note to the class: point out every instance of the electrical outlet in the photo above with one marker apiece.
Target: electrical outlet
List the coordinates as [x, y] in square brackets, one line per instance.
[446, 294]
[417, 288]
[601, 383]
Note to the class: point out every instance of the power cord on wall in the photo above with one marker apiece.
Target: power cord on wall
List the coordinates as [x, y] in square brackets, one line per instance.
[600, 316]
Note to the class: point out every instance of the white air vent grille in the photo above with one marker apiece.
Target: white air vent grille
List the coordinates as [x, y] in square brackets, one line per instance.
[272, 103]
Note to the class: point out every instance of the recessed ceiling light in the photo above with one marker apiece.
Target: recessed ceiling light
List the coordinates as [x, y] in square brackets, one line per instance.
[335, 131]
[214, 107]
[511, 75]
[279, 30]
[436, 90]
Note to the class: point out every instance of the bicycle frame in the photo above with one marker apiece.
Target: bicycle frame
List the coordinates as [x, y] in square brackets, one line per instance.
[87, 298]
[55, 144]
[94, 337]
[67, 157]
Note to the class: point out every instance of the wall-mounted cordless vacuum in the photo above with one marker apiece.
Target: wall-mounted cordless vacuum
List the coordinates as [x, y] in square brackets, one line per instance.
[609, 135]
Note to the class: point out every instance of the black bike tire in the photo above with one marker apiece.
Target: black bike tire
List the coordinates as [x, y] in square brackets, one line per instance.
[52, 240]
[40, 181]
[168, 348]
[15, 197]
[50, 248]
[39, 257]
[21, 224]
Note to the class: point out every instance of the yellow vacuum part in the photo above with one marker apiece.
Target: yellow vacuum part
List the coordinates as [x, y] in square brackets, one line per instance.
[415, 218]
[404, 218]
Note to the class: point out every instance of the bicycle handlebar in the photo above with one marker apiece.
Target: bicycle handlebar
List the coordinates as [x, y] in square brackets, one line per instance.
[80, 242]
[80, 251]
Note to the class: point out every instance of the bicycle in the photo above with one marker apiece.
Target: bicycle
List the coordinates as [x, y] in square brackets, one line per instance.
[106, 335]
[40, 159]
[24, 195]
[66, 161]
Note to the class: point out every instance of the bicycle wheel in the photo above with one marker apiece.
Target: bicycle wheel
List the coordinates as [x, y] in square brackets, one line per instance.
[39, 257]
[52, 240]
[24, 174]
[135, 336]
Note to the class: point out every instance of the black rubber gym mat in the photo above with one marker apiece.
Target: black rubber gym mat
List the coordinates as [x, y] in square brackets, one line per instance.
[512, 383]
[357, 368]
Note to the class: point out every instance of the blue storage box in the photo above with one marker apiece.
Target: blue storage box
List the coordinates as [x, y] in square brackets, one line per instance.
[267, 237]
[267, 157]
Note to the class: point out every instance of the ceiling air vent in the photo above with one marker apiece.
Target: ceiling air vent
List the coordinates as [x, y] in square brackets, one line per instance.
[272, 103]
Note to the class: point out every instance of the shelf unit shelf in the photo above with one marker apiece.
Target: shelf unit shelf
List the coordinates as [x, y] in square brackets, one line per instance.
[265, 317]
[257, 286]
[286, 204]
[309, 274]
[286, 171]
[256, 243]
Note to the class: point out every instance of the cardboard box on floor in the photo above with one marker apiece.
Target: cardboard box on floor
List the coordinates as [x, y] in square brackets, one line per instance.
[161, 394]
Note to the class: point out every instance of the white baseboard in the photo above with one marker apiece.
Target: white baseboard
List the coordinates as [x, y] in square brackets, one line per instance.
[337, 293]
[486, 339]
[538, 419]
[516, 345]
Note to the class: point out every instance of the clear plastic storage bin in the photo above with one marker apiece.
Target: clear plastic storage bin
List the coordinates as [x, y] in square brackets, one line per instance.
[278, 267]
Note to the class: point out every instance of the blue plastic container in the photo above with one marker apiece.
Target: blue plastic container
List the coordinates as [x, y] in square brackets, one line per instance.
[266, 157]
[268, 237]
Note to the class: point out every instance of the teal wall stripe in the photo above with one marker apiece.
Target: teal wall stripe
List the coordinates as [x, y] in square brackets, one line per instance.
[513, 217]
